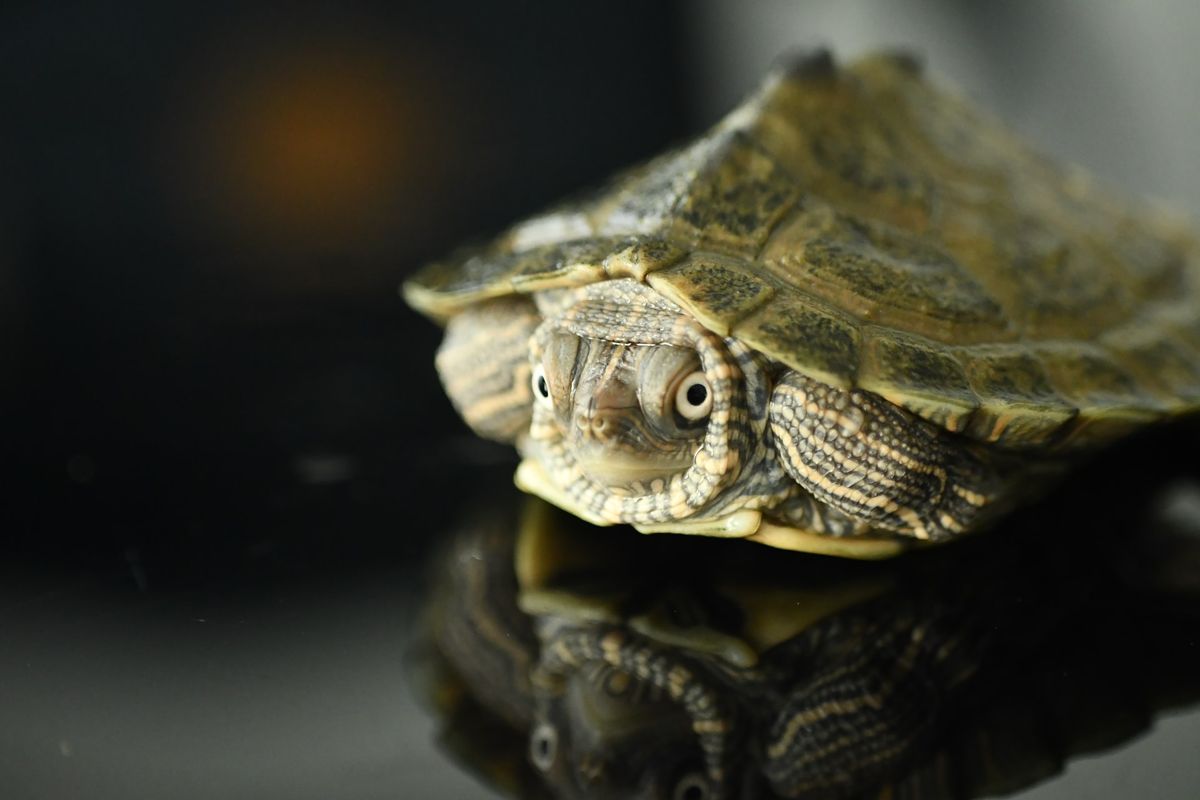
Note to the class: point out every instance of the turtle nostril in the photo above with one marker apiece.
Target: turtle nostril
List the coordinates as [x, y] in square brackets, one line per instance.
[601, 425]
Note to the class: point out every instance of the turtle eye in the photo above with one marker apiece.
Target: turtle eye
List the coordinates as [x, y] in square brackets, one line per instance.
[693, 398]
[692, 786]
[543, 746]
[541, 386]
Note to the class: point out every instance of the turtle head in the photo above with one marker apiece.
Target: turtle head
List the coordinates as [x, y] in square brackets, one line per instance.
[631, 415]
[640, 414]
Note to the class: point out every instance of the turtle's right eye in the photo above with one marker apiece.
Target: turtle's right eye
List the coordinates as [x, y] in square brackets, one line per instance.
[541, 386]
[693, 397]
[691, 786]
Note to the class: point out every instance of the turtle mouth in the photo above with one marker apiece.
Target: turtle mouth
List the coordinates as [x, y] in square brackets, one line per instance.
[619, 468]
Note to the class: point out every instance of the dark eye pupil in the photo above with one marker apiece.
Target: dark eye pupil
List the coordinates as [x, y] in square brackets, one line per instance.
[697, 394]
[543, 389]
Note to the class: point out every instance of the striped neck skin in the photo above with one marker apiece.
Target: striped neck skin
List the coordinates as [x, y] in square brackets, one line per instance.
[641, 415]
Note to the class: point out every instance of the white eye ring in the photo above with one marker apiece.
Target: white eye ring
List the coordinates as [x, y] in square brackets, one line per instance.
[541, 386]
[694, 397]
[692, 786]
[543, 746]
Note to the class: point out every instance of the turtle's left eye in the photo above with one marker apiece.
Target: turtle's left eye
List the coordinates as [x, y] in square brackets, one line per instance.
[541, 386]
[543, 746]
[693, 398]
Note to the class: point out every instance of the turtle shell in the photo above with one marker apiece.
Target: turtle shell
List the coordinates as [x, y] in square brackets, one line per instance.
[870, 230]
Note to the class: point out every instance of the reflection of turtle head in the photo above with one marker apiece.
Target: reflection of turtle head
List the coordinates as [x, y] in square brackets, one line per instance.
[605, 734]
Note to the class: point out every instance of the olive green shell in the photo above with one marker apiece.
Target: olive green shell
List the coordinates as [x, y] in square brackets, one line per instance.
[869, 230]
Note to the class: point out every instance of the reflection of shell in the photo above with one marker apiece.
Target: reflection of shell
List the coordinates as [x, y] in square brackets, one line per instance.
[868, 230]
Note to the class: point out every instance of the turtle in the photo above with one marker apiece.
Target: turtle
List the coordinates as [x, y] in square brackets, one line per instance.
[698, 670]
[854, 316]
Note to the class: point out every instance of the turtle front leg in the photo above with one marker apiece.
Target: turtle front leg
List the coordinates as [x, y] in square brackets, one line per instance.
[877, 463]
[484, 366]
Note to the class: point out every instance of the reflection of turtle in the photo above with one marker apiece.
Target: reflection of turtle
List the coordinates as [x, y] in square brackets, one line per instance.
[854, 309]
[693, 670]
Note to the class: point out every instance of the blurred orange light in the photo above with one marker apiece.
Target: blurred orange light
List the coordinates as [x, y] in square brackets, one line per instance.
[324, 149]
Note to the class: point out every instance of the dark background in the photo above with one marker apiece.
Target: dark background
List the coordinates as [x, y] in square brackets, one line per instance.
[213, 211]
[225, 446]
